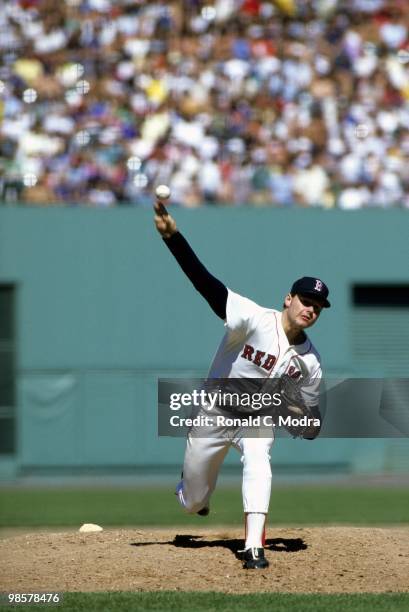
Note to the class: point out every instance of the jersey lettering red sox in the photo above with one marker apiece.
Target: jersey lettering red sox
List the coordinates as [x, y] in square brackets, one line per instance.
[256, 346]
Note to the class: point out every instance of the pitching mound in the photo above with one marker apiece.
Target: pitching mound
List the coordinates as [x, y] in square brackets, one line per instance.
[319, 560]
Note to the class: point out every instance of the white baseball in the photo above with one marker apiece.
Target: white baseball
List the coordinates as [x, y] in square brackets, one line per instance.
[162, 192]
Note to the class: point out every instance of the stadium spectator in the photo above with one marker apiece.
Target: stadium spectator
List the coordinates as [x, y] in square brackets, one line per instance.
[267, 103]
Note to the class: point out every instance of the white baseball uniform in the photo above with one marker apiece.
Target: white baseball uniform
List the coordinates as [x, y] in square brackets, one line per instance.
[254, 346]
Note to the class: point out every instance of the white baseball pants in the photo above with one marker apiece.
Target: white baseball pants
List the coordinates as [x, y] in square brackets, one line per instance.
[204, 457]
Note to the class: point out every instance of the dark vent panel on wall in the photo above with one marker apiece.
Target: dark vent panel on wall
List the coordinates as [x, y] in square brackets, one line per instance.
[380, 329]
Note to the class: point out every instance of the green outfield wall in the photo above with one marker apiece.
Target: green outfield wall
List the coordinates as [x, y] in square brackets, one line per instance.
[100, 310]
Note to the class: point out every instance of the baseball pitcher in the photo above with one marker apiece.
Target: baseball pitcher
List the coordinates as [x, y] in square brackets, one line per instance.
[259, 343]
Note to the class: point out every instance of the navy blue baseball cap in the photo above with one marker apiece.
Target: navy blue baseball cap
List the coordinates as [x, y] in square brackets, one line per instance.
[307, 285]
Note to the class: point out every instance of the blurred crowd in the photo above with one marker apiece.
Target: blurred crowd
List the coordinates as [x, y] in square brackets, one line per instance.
[267, 103]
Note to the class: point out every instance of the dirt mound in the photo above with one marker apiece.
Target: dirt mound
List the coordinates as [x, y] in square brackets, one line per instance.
[302, 560]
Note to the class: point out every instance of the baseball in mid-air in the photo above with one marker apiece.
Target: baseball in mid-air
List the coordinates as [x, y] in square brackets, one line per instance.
[162, 192]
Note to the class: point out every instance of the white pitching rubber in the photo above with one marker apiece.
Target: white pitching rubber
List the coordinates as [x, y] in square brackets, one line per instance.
[90, 527]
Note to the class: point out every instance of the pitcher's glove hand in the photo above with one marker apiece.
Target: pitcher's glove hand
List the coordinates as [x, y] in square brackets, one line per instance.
[300, 420]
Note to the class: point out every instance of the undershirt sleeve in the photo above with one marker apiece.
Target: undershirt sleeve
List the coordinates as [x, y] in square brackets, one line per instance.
[213, 290]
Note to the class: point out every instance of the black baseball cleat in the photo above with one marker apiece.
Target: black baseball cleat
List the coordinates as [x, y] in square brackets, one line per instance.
[204, 511]
[253, 558]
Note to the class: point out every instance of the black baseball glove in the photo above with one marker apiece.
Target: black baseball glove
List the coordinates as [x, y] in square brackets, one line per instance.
[299, 419]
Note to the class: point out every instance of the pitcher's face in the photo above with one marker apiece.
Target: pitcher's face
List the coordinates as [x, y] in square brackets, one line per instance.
[302, 310]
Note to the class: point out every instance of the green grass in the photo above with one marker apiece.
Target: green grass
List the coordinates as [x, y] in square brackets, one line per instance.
[158, 506]
[213, 602]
